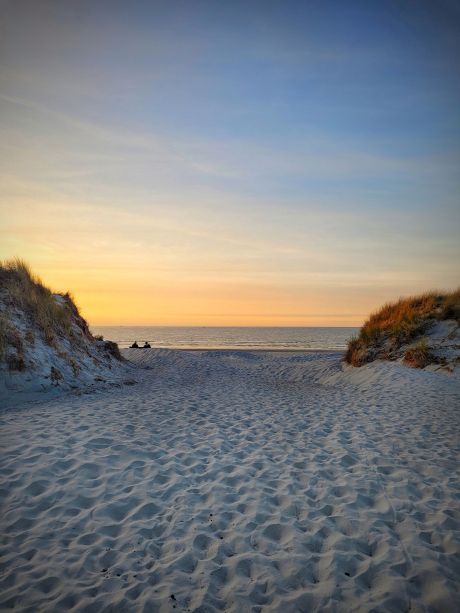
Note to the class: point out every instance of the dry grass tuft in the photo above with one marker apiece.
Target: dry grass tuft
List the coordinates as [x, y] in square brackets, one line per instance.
[11, 337]
[54, 316]
[55, 374]
[112, 349]
[418, 356]
[26, 292]
[398, 323]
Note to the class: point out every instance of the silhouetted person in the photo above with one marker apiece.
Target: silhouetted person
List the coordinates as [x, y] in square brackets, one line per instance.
[134, 345]
[146, 345]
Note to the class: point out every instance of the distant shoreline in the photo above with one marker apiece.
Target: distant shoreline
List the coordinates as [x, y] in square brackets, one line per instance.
[233, 339]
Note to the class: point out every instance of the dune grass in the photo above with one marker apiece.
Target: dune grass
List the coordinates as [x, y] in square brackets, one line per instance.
[23, 290]
[418, 355]
[53, 316]
[11, 337]
[399, 323]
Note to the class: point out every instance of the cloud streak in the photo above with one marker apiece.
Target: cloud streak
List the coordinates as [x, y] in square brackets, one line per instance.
[222, 162]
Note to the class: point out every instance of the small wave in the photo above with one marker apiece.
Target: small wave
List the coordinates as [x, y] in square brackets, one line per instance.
[231, 339]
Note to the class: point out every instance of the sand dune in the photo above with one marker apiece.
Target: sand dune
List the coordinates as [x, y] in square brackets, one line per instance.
[231, 481]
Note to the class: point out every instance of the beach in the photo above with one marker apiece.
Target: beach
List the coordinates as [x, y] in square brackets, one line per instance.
[235, 481]
[229, 307]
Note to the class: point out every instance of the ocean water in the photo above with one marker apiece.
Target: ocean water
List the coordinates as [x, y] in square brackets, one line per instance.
[182, 337]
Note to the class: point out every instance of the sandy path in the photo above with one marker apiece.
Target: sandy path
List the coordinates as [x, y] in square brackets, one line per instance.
[232, 482]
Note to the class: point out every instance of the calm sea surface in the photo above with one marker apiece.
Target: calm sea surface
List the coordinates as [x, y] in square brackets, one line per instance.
[228, 338]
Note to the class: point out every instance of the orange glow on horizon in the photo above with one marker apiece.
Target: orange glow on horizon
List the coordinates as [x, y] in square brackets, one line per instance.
[128, 268]
[196, 304]
[191, 175]
[107, 298]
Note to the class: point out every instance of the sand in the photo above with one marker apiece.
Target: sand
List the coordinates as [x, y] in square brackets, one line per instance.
[235, 481]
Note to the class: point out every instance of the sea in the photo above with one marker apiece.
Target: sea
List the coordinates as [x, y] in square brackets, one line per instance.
[240, 338]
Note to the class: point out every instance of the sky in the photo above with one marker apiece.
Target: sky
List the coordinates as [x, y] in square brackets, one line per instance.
[231, 163]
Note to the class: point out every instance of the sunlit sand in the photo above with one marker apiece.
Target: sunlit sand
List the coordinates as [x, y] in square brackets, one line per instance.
[235, 481]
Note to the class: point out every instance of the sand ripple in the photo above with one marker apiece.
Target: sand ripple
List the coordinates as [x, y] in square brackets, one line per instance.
[236, 482]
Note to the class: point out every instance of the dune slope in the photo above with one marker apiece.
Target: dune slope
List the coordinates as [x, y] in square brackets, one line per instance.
[45, 344]
[420, 331]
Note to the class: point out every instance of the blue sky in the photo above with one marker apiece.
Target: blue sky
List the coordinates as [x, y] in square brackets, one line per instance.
[298, 146]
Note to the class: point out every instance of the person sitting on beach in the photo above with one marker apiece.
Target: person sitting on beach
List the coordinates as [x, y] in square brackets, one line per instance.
[134, 345]
[146, 345]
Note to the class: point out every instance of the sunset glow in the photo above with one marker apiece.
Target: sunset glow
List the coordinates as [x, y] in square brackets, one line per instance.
[209, 164]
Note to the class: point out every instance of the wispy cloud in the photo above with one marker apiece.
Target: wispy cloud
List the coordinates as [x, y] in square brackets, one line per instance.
[276, 163]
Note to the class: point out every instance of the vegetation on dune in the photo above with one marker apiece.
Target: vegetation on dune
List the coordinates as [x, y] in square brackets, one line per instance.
[419, 355]
[26, 292]
[11, 337]
[399, 323]
[54, 316]
[112, 348]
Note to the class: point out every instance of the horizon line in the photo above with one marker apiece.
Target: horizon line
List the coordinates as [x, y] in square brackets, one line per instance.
[210, 326]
